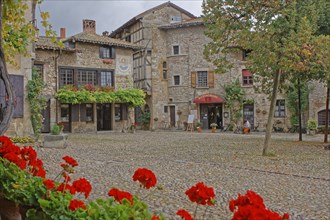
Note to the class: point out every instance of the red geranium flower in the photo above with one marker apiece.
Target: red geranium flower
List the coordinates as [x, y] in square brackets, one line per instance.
[286, 216]
[28, 153]
[49, 184]
[70, 160]
[16, 159]
[66, 187]
[155, 217]
[83, 186]
[146, 177]
[66, 177]
[120, 195]
[184, 214]
[201, 194]
[76, 204]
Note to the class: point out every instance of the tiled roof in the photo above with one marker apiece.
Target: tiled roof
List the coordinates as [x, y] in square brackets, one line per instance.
[47, 44]
[189, 23]
[138, 17]
[103, 40]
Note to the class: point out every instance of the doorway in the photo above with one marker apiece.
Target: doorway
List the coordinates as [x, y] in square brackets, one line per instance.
[172, 116]
[248, 113]
[46, 115]
[211, 113]
[66, 117]
[104, 117]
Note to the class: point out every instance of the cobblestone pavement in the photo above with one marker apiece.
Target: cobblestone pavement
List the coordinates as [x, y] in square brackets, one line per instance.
[296, 179]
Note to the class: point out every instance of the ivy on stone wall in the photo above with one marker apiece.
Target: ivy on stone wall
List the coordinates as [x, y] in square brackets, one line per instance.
[93, 94]
[36, 100]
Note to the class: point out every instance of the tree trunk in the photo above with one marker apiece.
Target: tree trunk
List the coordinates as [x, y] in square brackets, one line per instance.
[299, 109]
[9, 110]
[269, 127]
[326, 116]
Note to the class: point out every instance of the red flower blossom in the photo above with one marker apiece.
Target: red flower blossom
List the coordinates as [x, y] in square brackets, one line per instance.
[251, 206]
[201, 194]
[66, 187]
[28, 153]
[120, 195]
[7, 146]
[184, 214]
[155, 217]
[70, 160]
[66, 177]
[76, 204]
[49, 184]
[16, 159]
[83, 186]
[146, 177]
[286, 216]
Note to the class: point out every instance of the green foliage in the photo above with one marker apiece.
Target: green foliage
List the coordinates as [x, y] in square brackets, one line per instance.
[312, 124]
[145, 118]
[36, 100]
[18, 31]
[292, 97]
[56, 129]
[22, 140]
[135, 97]
[234, 100]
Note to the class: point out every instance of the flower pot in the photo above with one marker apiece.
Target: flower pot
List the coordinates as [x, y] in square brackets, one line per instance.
[9, 210]
[214, 129]
[199, 130]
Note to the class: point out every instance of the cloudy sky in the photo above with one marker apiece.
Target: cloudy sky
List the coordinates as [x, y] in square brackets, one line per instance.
[108, 14]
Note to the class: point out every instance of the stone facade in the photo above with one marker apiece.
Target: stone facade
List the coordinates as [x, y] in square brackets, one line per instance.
[21, 125]
[85, 56]
[175, 94]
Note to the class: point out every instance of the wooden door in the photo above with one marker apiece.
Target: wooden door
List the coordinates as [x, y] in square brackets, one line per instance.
[46, 115]
[172, 116]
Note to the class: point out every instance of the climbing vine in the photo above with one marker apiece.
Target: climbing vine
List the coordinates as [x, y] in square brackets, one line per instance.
[36, 100]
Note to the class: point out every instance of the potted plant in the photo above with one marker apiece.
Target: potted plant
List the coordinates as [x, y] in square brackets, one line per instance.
[198, 127]
[312, 126]
[56, 139]
[214, 127]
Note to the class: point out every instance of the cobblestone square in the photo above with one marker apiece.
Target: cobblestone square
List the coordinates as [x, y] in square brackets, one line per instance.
[296, 180]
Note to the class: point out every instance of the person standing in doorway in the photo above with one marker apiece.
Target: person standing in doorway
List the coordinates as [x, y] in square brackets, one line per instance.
[247, 127]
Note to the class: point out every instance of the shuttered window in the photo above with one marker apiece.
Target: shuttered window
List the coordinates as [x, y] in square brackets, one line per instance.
[193, 79]
[321, 118]
[18, 84]
[202, 77]
[107, 52]
[211, 79]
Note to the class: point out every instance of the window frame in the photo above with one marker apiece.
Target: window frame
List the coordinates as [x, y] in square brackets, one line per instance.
[64, 77]
[176, 77]
[280, 109]
[247, 80]
[108, 55]
[89, 112]
[174, 51]
[321, 118]
[164, 70]
[87, 74]
[200, 84]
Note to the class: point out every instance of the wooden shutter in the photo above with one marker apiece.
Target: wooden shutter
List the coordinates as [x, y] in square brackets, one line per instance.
[75, 113]
[82, 112]
[18, 84]
[193, 79]
[210, 79]
[123, 112]
[113, 53]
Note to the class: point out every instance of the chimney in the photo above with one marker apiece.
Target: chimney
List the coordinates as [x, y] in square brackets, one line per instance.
[89, 26]
[62, 33]
[105, 33]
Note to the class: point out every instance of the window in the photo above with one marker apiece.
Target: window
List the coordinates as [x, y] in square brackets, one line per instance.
[89, 112]
[165, 109]
[164, 70]
[247, 77]
[106, 78]
[66, 77]
[65, 112]
[176, 19]
[107, 52]
[245, 54]
[202, 80]
[120, 112]
[321, 118]
[176, 80]
[86, 77]
[69, 44]
[39, 68]
[280, 108]
[176, 50]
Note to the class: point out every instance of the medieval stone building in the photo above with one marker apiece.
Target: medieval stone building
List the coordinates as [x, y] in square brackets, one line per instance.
[178, 80]
[87, 58]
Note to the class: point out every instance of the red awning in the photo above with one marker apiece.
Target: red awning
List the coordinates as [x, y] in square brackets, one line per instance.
[208, 98]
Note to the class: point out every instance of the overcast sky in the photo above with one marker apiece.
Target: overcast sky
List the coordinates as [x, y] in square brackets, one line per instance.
[108, 14]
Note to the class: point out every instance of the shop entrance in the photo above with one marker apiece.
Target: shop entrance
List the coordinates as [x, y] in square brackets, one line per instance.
[211, 113]
[103, 117]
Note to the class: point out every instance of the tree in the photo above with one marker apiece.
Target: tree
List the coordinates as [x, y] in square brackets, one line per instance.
[268, 28]
[16, 33]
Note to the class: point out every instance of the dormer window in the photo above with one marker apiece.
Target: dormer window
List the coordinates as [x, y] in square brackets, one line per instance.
[69, 44]
[107, 52]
